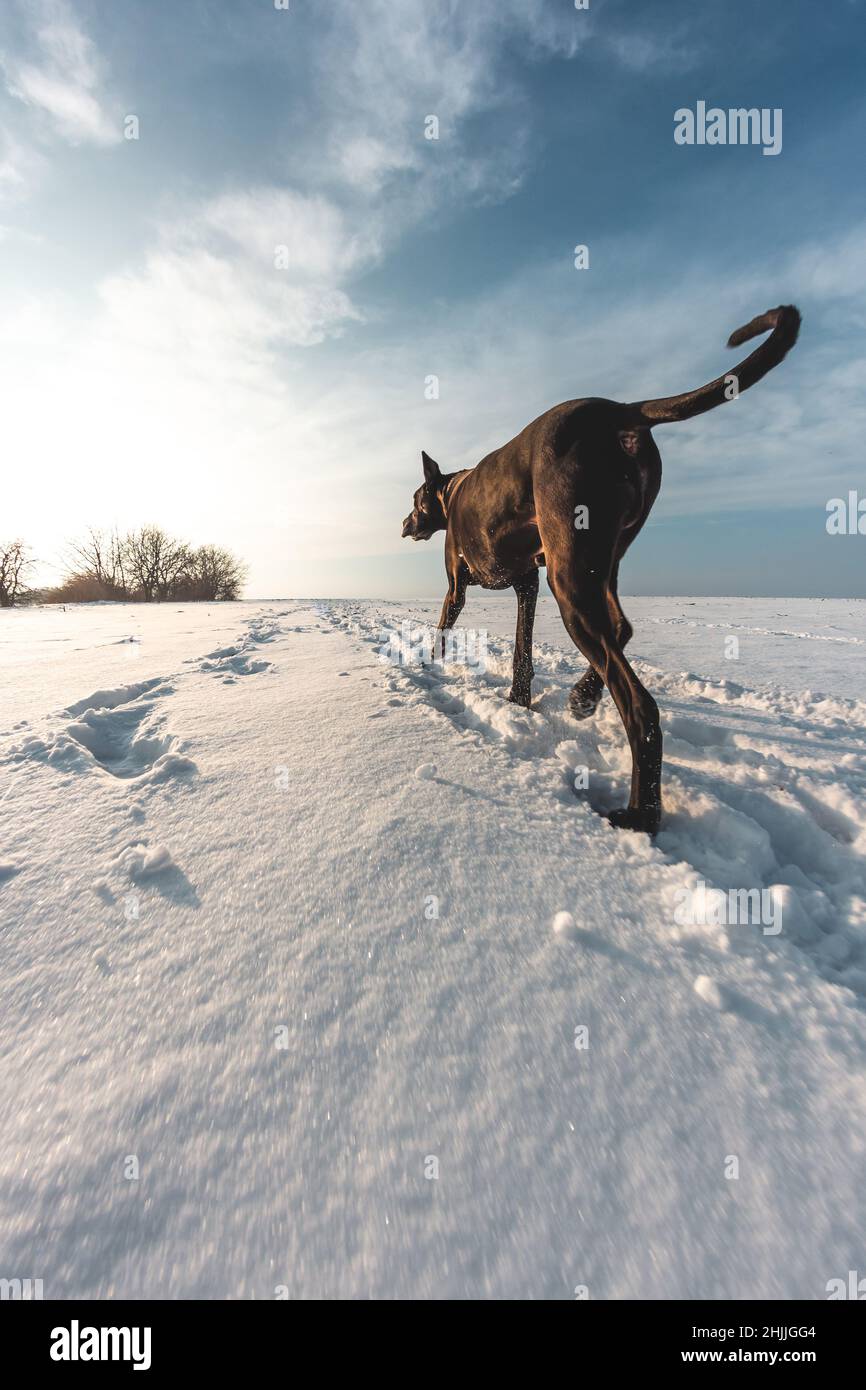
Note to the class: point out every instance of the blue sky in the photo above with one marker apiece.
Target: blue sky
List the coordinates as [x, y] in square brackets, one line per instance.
[158, 366]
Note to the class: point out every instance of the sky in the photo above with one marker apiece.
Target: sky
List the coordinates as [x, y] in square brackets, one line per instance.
[228, 325]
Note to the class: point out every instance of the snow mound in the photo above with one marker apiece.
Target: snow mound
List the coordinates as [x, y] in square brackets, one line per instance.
[141, 862]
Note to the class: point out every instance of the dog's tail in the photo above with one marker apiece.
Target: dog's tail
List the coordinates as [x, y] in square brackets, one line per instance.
[785, 323]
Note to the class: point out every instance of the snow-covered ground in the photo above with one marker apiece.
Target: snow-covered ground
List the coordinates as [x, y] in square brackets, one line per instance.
[283, 1006]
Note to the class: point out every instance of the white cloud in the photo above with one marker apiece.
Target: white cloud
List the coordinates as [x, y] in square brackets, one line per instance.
[237, 278]
[206, 309]
[317, 240]
[385, 67]
[16, 167]
[63, 81]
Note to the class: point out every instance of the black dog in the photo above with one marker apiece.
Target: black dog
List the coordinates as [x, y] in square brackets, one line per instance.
[571, 492]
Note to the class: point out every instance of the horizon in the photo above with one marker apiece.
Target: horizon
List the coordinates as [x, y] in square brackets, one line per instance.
[431, 597]
[244, 288]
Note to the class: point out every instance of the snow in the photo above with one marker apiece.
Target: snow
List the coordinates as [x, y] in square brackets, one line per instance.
[564, 925]
[249, 941]
[710, 992]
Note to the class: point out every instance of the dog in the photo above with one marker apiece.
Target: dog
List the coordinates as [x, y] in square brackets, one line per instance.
[569, 494]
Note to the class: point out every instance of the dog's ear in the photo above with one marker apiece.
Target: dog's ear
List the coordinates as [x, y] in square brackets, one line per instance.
[431, 469]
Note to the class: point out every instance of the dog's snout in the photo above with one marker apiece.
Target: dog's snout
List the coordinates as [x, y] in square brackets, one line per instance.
[407, 528]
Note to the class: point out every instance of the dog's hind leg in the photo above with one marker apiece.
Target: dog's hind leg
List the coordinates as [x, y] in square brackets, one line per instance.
[586, 612]
[587, 692]
[526, 589]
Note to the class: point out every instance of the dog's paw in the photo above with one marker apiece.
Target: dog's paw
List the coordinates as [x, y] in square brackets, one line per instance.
[520, 697]
[633, 818]
[582, 709]
[585, 696]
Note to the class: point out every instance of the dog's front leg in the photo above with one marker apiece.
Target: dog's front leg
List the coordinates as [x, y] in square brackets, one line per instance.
[451, 608]
[526, 589]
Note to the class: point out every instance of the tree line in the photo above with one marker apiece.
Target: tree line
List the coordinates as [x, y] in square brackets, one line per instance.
[143, 566]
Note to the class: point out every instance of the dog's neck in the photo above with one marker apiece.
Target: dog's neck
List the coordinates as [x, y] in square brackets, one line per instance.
[450, 486]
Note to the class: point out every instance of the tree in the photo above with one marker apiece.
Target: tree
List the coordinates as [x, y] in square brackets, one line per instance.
[100, 558]
[151, 562]
[216, 574]
[15, 563]
[148, 565]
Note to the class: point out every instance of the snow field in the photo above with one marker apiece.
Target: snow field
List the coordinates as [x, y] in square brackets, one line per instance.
[280, 922]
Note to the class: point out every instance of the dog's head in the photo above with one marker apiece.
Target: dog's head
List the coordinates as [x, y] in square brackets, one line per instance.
[427, 515]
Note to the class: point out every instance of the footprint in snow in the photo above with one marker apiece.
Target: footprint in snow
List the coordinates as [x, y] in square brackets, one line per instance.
[127, 741]
[121, 695]
[119, 730]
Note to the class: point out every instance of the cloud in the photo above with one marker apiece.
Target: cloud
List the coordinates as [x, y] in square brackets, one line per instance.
[652, 51]
[62, 80]
[18, 164]
[314, 237]
[383, 68]
[239, 277]
[219, 315]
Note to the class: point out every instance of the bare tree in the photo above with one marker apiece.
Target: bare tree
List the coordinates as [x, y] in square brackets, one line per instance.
[89, 557]
[143, 549]
[117, 564]
[147, 565]
[172, 567]
[97, 564]
[216, 573]
[15, 564]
